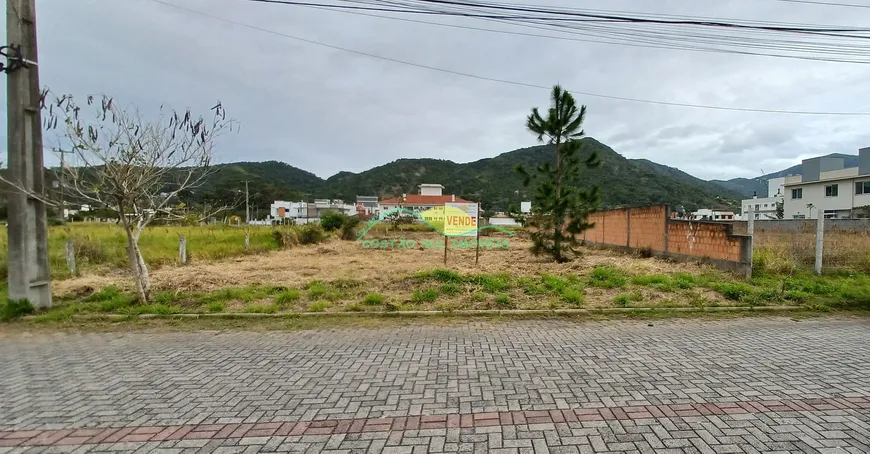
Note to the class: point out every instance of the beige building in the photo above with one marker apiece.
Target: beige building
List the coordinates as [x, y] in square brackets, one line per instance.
[825, 188]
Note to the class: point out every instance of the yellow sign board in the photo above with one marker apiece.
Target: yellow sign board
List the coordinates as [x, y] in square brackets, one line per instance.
[460, 219]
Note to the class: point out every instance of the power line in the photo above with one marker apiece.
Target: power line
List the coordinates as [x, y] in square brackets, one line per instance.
[811, 2]
[661, 35]
[505, 81]
[639, 42]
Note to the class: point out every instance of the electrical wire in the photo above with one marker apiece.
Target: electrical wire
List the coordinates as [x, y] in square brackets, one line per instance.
[505, 81]
[810, 2]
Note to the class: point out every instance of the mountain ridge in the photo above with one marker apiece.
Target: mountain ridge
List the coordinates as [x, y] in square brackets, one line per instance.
[624, 182]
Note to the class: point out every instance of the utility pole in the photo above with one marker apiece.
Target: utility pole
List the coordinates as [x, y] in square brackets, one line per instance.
[247, 209]
[28, 227]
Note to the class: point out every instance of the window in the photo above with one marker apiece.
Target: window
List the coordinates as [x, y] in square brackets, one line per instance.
[757, 207]
[832, 190]
[799, 216]
[830, 214]
[862, 187]
[765, 205]
[797, 193]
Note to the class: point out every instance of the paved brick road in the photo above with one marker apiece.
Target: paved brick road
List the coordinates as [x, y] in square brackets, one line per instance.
[749, 385]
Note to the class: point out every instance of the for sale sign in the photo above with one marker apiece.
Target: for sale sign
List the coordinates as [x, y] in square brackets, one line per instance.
[460, 219]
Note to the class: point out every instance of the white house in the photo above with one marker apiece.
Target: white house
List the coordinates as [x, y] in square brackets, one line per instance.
[430, 197]
[764, 207]
[706, 214]
[828, 189]
[304, 212]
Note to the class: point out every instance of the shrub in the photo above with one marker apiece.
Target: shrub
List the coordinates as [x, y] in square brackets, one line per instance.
[424, 295]
[373, 299]
[216, 306]
[287, 297]
[311, 234]
[12, 309]
[331, 221]
[572, 295]
[319, 306]
[607, 277]
[503, 300]
[286, 237]
[349, 227]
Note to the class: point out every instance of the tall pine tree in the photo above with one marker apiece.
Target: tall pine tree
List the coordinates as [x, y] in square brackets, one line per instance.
[560, 208]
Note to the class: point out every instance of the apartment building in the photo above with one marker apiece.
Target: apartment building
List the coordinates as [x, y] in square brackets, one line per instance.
[826, 188]
[764, 207]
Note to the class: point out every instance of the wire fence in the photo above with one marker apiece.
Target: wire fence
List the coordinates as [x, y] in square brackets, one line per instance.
[788, 245]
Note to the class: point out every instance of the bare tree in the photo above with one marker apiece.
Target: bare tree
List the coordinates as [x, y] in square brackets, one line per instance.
[135, 167]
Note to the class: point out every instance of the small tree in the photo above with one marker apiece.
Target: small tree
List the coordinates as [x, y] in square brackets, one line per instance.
[560, 208]
[331, 220]
[135, 167]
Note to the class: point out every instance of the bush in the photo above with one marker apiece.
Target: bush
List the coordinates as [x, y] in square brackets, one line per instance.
[331, 221]
[10, 310]
[349, 227]
[311, 234]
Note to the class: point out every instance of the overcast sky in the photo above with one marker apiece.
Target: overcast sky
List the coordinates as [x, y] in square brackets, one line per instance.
[326, 110]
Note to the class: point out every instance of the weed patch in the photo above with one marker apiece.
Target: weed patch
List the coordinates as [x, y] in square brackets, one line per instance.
[607, 277]
[627, 298]
[424, 295]
[373, 299]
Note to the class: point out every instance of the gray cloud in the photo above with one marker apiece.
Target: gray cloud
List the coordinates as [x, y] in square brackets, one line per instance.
[326, 110]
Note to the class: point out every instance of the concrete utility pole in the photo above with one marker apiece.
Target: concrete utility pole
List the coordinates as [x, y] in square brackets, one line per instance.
[27, 229]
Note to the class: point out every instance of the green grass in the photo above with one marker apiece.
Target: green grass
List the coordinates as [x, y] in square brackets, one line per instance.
[10, 310]
[287, 297]
[661, 282]
[316, 289]
[607, 277]
[625, 299]
[319, 306]
[424, 295]
[491, 283]
[572, 296]
[373, 299]
[531, 286]
[216, 306]
[160, 309]
[478, 297]
[261, 308]
[450, 289]
[554, 283]
[503, 300]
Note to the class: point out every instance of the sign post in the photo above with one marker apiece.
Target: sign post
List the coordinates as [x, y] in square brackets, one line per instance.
[477, 242]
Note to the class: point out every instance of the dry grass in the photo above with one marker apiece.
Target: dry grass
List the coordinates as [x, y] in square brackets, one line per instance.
[784, 251]
[336, 260]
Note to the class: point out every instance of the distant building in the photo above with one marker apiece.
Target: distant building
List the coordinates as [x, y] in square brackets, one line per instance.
[304, 212]
[705, 214]
[367, 205]
[430, 197]
[826, 188]
[764, 207]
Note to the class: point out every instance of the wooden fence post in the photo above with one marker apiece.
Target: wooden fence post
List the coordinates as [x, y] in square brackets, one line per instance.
[182, 250]
[71, 257]
[247, 242]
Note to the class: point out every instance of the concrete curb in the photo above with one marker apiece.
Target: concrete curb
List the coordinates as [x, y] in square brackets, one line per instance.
[514, 312]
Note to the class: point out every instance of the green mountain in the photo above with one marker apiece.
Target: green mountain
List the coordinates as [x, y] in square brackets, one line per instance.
[746, 186]
[492, 181]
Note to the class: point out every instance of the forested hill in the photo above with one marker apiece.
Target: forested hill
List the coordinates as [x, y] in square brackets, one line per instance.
[623, 182]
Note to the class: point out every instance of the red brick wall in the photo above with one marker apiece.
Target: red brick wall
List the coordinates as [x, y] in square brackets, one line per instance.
[645, 228]
[703, 240]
